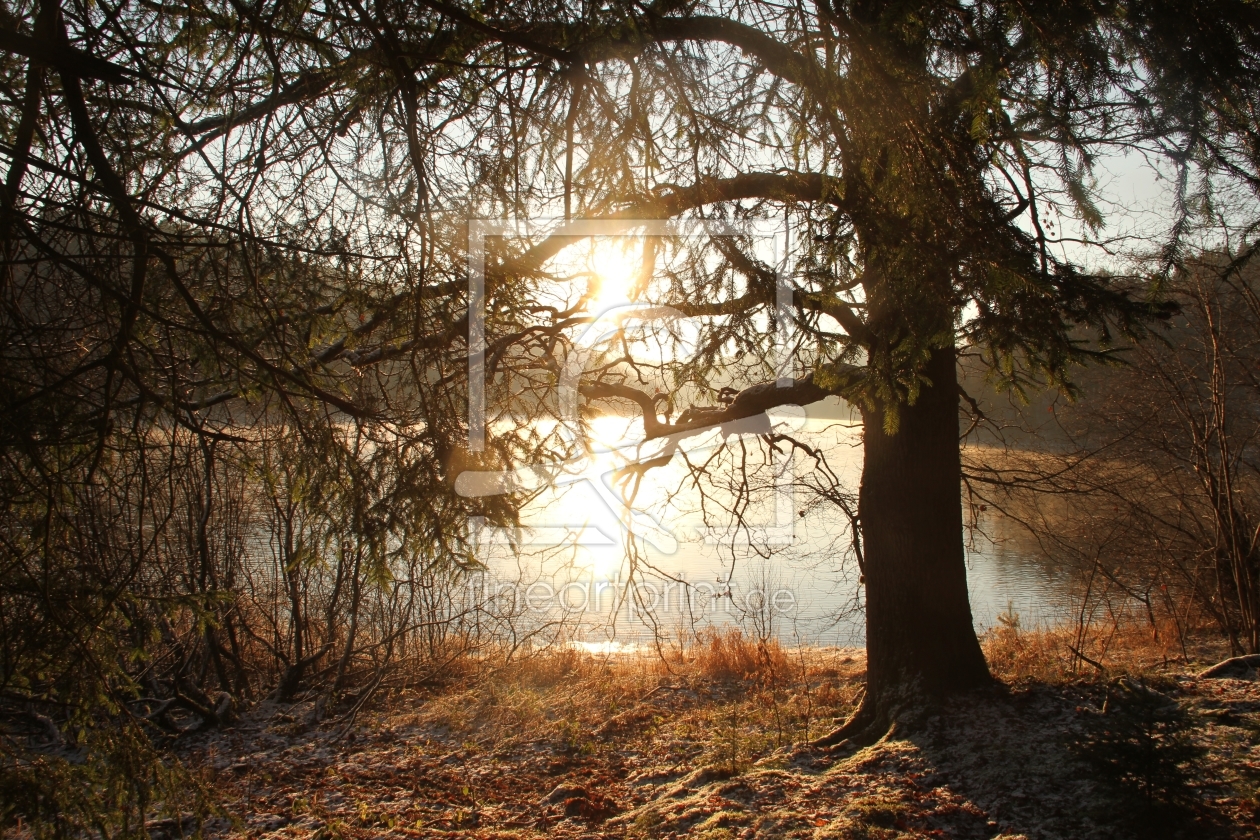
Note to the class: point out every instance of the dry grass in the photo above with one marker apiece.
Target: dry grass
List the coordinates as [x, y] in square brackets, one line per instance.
[725, 654]
[750, 695]
[1054, 655]
[707, 742]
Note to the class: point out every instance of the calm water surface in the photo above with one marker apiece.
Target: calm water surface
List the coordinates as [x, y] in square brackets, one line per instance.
[789, 573]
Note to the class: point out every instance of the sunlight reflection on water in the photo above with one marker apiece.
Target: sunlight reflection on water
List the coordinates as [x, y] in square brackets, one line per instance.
[790, 573]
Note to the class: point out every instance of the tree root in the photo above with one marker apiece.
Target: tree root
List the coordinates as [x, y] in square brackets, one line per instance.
[901, 707]
[866, 726]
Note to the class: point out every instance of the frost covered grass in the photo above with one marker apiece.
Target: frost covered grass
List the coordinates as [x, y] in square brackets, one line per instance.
[710, 741]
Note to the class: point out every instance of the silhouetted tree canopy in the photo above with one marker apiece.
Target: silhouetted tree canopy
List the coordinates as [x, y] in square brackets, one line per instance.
[235, 288]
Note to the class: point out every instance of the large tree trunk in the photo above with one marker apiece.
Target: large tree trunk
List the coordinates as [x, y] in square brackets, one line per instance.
[920, 642]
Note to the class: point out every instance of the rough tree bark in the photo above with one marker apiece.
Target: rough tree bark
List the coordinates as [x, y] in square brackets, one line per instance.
[920, 640]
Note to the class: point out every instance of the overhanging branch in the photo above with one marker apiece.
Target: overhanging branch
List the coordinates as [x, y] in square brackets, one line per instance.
[754, 400]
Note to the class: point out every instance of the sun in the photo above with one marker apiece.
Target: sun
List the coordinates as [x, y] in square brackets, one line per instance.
[615, 267]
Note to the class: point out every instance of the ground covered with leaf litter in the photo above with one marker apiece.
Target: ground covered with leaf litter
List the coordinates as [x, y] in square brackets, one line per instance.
[577, 747]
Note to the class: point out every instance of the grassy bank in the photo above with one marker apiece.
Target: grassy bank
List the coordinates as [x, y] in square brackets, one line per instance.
[712, 742]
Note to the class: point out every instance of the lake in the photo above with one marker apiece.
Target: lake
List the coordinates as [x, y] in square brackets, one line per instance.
[679, 559]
